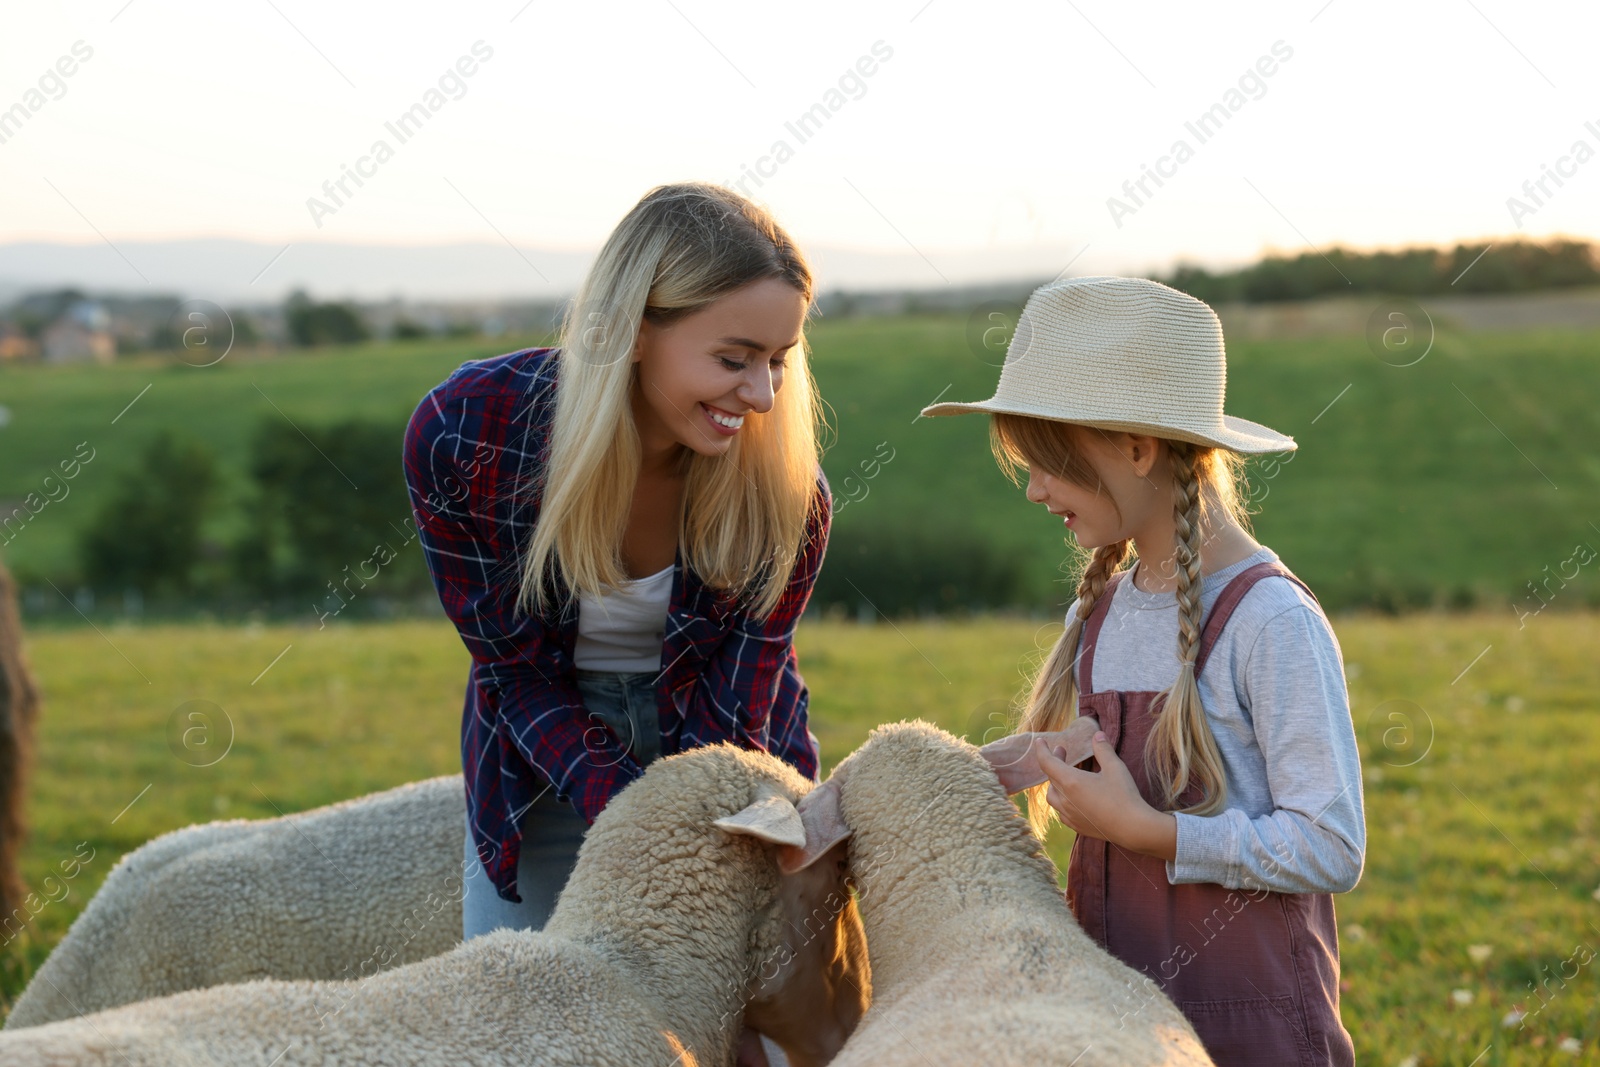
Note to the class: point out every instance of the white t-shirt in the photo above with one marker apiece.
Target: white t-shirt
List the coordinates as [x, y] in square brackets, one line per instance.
[624, 629]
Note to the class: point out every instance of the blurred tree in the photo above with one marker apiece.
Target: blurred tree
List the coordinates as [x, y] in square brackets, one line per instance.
[1510, 266]
[33, 312]
[147, 535]
[330, 508]
[310, 323]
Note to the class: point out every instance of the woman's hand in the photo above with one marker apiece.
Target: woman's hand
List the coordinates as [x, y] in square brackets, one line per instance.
[1106, 803]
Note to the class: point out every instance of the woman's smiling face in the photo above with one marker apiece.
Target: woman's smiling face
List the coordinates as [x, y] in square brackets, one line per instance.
[700, 377]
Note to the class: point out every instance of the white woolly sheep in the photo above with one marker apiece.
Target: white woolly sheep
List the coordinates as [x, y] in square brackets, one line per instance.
[675, 914]
[320, 895]
[341, 891]
[976, 957]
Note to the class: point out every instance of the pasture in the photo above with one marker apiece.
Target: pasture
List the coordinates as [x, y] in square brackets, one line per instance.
[1449, 482]
[1480, 746]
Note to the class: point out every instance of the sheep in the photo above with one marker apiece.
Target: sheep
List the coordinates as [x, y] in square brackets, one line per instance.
[675, 915]
[19, 714]
[975, 955]
[278, 899]
[338, 892]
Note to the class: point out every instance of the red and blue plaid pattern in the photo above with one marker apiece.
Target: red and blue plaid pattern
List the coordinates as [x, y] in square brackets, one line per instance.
[473, 450]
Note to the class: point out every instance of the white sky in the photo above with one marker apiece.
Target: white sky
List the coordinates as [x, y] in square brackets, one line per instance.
[1002, 124]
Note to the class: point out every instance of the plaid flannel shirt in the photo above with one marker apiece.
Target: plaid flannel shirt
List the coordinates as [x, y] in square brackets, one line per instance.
[473, 448]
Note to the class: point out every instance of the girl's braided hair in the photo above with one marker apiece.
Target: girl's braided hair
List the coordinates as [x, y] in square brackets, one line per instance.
[1181, 749]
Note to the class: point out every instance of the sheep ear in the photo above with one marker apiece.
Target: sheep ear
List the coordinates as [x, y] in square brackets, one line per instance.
[770, 817]
[1014, 763]
[824, 828]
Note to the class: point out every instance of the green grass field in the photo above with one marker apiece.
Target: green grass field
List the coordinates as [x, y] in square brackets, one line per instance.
[1482, 859]
[1456, 478]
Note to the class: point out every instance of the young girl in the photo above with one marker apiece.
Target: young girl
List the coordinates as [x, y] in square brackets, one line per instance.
[625, 530]
[1227, 804]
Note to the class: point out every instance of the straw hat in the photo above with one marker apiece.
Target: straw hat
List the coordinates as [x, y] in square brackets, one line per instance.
[1122, 354]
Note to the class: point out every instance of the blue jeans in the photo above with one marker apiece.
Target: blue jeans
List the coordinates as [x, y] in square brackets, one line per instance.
[552, 830]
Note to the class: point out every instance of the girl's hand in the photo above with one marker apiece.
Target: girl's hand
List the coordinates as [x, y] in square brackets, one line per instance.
[1106, 803]
[1015, 760]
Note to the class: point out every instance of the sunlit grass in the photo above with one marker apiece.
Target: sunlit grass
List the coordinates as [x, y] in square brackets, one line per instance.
[1480, 799]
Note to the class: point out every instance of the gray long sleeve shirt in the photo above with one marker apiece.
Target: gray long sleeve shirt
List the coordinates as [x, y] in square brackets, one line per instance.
[1274, 694]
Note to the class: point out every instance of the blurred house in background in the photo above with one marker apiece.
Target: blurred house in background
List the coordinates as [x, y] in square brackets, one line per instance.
[82, 334]
[15, 344]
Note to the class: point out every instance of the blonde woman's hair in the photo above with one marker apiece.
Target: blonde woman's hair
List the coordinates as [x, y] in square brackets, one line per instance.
[745, 512]
[1180, 748]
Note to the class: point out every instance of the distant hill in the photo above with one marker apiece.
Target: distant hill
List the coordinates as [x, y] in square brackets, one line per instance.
[257, 272]
[244, 273]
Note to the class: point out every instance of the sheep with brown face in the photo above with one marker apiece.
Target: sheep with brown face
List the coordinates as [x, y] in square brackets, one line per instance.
[976, 957]
[676, 925]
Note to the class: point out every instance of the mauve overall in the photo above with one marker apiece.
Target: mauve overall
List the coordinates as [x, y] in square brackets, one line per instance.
[1256, 972]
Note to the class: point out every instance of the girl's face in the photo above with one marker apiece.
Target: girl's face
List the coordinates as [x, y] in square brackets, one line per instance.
[701, 377]
[1131, 494]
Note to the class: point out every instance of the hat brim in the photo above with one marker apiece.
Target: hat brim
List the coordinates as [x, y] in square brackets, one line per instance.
[1236, 434]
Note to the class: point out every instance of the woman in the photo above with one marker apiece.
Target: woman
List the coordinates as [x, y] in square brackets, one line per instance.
[625, 530]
